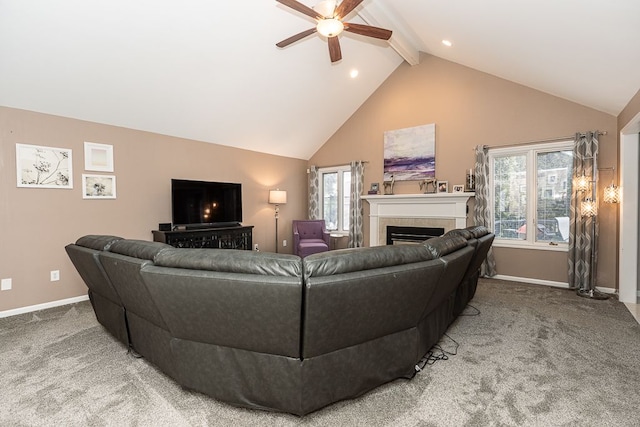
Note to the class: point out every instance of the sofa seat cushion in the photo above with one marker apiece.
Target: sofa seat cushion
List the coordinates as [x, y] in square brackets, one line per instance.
[312, 246]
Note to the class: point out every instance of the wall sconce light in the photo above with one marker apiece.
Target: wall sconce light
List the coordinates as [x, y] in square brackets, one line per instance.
[277, 197]
[588, 207]
[582, 183]
[612, 194]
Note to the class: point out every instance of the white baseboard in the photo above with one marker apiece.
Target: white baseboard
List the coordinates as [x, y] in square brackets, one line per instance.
[37, 307]
[548, 283]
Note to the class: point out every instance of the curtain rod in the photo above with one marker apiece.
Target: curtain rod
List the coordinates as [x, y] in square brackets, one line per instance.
[564, 138]
[336, 166]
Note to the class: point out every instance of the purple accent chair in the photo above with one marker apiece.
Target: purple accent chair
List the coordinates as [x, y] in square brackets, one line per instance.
[310, 237]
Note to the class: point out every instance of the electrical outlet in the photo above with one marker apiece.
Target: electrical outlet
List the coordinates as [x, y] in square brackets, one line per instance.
[55, 275]
[284, 243]
[5, 285]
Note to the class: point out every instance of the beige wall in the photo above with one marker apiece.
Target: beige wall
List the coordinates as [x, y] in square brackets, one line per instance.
[470, 108]
[36, 224]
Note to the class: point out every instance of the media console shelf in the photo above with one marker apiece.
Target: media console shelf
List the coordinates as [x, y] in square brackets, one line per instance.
[223, 238]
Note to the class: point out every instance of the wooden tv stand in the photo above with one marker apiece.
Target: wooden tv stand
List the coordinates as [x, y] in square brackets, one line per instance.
[239, 237]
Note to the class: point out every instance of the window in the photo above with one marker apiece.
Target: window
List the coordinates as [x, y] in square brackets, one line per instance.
[530, 194]
[335, 189]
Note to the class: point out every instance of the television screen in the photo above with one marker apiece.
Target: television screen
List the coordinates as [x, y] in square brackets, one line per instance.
[205, 203]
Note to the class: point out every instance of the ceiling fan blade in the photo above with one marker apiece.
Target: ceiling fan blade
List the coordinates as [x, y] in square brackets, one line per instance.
[334, 49]
[293, 39]
[295, 5]
[346, 7]
[368, 30]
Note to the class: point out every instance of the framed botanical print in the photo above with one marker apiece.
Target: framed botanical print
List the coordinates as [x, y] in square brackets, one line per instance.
[44, 167]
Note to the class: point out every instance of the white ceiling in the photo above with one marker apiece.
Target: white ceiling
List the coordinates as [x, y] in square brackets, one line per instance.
[210, 70]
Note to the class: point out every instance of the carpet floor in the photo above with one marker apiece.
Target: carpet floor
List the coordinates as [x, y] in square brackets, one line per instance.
[527, 356]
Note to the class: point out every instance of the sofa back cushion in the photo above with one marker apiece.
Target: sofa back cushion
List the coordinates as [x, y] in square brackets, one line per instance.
[356, 295]
[460, 232]
[84, 256]
[231, 261]
[360, 259]
[478, 230]
[141, 249]
[444, 245]
[97, 242]
[230, 298]
[122, 264]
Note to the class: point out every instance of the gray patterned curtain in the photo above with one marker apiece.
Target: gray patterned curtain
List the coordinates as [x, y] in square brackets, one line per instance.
[356, 211]
[314, 208]
[583, 230]
[481, 213]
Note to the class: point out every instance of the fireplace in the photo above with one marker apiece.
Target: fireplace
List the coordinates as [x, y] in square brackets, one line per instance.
[402, 235]
[444, 211]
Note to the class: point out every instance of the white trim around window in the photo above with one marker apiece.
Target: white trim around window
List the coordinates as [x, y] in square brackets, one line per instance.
[342, 226]
[531, 187]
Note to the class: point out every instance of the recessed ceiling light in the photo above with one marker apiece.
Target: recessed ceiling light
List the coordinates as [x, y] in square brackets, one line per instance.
[447, 43]
[353, 73]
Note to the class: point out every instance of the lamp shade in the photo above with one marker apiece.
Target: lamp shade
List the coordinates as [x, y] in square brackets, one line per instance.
[277, 197]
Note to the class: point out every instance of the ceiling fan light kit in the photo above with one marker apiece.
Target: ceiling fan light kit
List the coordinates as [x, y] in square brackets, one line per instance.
[330, 27]
[329, 16]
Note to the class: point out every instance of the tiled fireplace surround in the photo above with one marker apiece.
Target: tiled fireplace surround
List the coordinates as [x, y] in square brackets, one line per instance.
[446, 210]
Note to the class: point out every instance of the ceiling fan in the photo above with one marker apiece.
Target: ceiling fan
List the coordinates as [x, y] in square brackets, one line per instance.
[329, 15]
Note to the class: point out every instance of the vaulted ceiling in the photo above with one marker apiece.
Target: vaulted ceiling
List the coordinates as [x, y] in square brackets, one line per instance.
[210, 71]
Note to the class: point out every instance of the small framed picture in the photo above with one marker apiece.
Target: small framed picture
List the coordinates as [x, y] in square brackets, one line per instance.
[443, 186]
[98, 186]
[458, 188]
[98, 157]
[375, 187]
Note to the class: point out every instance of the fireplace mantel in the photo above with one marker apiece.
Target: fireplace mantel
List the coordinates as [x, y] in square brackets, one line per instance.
[450, 207]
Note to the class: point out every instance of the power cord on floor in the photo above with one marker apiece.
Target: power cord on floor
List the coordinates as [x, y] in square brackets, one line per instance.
[436, 353]
[134, 353]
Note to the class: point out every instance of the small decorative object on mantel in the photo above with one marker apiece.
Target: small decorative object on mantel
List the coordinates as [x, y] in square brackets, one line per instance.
[375, 188]
[388, 186]
[428, 185]
[470, 181]
[458, 188]
[443, 186]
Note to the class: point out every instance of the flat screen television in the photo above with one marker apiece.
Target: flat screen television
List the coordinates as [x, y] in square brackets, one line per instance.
[196, 204]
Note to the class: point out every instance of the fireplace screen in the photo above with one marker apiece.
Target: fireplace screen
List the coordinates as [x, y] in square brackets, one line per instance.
[401, 235]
